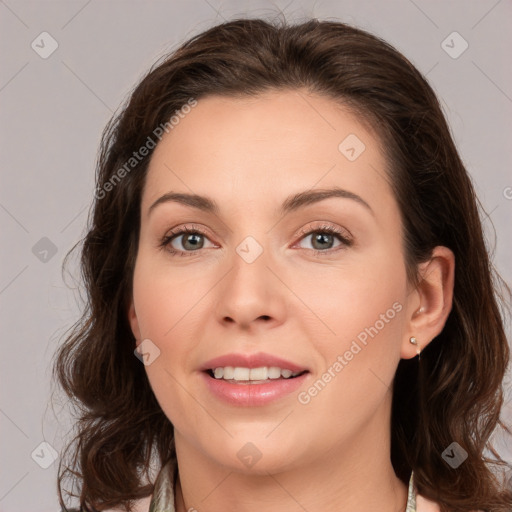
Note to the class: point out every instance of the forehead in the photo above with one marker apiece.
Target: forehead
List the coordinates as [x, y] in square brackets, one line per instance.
[255, 149]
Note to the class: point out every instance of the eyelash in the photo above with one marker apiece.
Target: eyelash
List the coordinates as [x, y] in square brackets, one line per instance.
[331, 230]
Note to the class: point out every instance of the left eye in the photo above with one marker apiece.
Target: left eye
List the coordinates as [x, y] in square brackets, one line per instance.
[323, 239]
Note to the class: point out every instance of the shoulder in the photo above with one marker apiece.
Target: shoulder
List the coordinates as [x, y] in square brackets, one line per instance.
[424, 505]
[141, 505]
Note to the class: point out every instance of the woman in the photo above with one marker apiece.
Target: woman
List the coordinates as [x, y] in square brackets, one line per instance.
[291, 302]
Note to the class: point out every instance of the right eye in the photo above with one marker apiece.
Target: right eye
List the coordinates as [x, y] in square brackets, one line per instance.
[192, 240]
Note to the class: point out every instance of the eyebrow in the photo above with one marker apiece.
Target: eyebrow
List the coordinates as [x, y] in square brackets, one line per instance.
[292, 203]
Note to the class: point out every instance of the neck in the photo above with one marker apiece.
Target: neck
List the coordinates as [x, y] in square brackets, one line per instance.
[390, 495]
[354, 476]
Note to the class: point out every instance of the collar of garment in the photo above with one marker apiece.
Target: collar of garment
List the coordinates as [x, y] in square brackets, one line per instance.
[163, 499]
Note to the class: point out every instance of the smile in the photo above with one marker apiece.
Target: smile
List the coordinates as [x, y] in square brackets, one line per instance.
[253, 375]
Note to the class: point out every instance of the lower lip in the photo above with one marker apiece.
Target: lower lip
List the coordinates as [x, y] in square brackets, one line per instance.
[248, 395]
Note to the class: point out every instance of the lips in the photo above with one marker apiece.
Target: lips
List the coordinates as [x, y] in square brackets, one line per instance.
[252, 361]
[243, 386]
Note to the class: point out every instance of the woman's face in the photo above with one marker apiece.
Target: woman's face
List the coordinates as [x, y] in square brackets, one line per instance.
[260, 283]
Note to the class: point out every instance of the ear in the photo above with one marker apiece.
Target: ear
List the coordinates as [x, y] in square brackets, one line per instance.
[430, 303]
[134, 322]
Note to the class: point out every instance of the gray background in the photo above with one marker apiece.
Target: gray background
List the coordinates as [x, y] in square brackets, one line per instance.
[53, 112]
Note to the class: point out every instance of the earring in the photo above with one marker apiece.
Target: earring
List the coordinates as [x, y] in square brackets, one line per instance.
[414, 341]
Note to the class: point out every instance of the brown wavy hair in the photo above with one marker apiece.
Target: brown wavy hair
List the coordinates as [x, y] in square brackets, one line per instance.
[455, 393]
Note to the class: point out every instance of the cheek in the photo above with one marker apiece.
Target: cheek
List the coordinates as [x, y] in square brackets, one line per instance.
[164, 297]
[162, 314]
[348, 300]
[168, 303]
[364, 309]
[361, 308]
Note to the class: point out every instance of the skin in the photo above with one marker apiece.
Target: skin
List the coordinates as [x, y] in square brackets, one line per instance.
[249, 155]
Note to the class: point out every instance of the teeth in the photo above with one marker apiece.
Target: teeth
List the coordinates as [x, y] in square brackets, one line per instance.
[258, 374]
[246, 374]
[228, 372]
[241, 373]
[274, 372]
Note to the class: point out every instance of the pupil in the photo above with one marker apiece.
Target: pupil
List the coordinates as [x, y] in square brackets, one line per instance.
[322, 238]
[193, 238]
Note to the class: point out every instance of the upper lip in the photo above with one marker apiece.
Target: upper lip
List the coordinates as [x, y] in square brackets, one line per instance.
[251, 361]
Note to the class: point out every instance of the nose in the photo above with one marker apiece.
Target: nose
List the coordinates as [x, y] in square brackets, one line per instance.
[251, 295]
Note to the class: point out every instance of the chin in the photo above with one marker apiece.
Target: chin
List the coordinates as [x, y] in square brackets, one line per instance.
[256, 455]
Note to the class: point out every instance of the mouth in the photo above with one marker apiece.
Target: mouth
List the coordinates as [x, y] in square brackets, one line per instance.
[260, 375]
[255, 379]
[241, 386]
